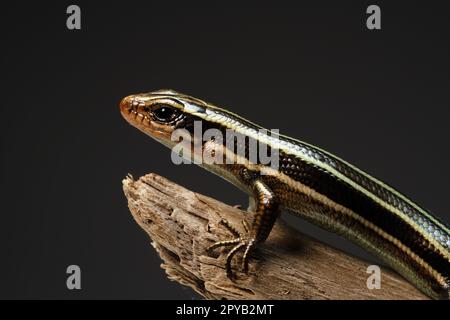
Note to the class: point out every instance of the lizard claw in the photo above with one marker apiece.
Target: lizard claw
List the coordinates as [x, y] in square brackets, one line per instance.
[241, 241]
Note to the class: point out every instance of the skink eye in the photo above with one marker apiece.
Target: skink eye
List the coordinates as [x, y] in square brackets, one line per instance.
[165, 113]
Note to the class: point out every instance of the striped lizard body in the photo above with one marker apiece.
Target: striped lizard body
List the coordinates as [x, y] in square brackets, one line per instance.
[309, 182]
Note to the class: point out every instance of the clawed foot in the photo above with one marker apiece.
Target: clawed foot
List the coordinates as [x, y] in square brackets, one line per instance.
[240, 242]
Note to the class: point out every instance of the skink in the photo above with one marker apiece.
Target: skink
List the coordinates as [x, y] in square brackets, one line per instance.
[309, 182]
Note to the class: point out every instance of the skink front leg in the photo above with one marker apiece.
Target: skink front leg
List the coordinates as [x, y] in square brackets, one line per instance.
[266, 212]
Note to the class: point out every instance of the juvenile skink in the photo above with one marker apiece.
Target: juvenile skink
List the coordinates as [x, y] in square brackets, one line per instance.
[308, 181]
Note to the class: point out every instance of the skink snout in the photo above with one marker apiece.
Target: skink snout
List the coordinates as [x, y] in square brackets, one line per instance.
[126, 105]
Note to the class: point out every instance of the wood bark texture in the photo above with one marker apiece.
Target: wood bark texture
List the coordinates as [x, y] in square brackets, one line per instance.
[182, 224]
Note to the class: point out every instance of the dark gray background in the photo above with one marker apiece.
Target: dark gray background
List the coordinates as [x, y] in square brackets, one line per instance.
[379, 99]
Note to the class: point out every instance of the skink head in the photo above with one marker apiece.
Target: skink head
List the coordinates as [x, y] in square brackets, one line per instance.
[159, 113]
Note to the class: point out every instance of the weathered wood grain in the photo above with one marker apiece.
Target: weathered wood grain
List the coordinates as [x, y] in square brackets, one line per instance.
[289, 265]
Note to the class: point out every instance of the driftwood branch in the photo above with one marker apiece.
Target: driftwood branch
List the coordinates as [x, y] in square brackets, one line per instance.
[289, 265]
